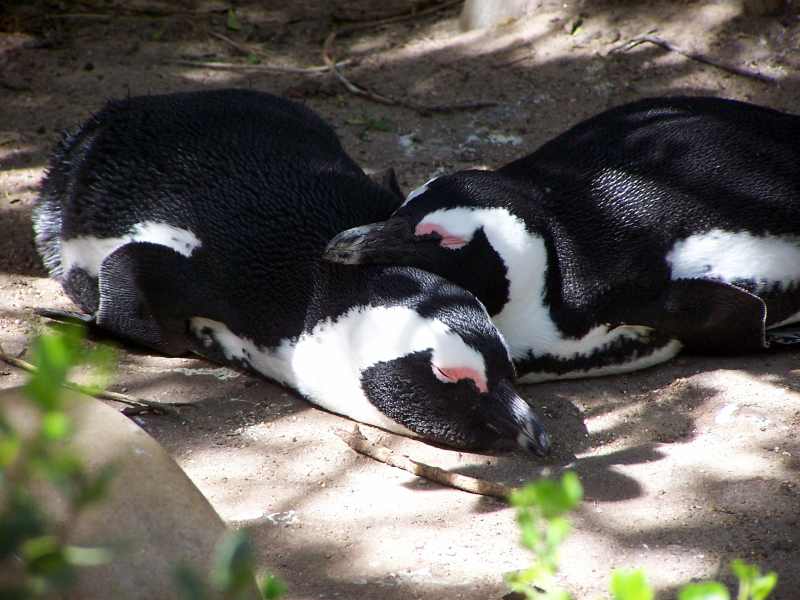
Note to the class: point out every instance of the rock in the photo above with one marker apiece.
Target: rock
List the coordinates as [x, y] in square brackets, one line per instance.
[478, 14]
[152, 518]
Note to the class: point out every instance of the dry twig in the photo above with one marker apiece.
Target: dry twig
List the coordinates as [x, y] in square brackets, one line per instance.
[249, 67]
[140, 405]
[695, 56]
[356, 440]
[246, 50]
[364, 92]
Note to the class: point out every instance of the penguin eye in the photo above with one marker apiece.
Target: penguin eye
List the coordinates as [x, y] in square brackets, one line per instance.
[448, 240]
[455, 374]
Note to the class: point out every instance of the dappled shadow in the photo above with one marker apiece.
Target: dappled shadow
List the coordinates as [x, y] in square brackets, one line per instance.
[17, 252]
[256, 449]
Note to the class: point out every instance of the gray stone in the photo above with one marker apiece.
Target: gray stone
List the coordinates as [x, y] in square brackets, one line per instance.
[478, 14]
[153, 517]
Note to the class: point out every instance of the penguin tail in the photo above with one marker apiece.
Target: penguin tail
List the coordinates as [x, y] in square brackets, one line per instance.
[47, 223]
[56, 190]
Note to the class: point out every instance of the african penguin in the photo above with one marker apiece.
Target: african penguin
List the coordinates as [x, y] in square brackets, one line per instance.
[197, 221]
[656, 225]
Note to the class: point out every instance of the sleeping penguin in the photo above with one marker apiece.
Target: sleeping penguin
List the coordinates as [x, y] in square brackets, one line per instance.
[195, 222]
[663, 224]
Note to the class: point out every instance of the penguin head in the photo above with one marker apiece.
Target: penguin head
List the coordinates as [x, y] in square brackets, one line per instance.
[440, 368]
[461, 226]
[453, 406]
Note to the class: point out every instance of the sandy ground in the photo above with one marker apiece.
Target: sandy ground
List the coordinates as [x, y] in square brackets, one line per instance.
[685, 466]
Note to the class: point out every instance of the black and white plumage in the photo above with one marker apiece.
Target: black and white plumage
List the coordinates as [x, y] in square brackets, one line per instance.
[656, 225]
[197, 221]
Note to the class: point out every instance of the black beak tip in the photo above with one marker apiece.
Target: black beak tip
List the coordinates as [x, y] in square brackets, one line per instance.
[537, 444]
[343, 248]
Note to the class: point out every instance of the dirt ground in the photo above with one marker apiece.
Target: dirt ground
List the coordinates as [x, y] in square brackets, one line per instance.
[685, 466]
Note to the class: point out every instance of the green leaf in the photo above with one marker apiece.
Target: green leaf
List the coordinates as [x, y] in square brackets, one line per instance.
[708, 590]
[752, 584]
[763, 585]
[189, 584]
[271, 587]
[552, 498]
[573, 490]
[630, 585]
[253, 59]
[20, 520]
[744, 572]
[103, 360]
[55, 425]
[36, 547]
[10, 445]
[233, 21]
[45, 558]
[557, 531]
[87, 557]
[54, 355]
[531, 536]
[59, 466]
[234, 563]
[96, 488]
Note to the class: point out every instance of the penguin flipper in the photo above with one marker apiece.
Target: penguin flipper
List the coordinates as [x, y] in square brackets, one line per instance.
[66, 316]
[712, 316]
[143, 291]
[69, 317]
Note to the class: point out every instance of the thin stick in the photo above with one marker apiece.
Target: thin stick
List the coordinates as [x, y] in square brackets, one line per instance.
[364, 92]
[139, 403]
[246, 50]
[356, 440]
[695, 56]
[248, 67]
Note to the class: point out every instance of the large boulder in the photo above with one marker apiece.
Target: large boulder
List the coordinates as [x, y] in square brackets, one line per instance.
[153, 517]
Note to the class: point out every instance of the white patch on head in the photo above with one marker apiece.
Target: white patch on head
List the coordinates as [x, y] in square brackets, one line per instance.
[634, 362]
[325, 365]
[525, 320]
[419, 191]
[89, 252]
[729, 256]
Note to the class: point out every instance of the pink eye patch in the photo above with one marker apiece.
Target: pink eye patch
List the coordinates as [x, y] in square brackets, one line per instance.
[454, 374]
[448, 240]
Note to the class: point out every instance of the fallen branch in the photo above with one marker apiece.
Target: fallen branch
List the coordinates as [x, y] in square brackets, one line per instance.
[356, 440]
[246, 50]
[695, 56]
[140, 405]
[364, 92]
[248, 67]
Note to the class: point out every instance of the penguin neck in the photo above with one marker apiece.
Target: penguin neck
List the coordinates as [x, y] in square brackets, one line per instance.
[325, 363]
[525, 317]
[328, 362]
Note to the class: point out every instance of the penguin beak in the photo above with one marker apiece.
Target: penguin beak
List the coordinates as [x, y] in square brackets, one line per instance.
[514, 417]
[373, 243]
